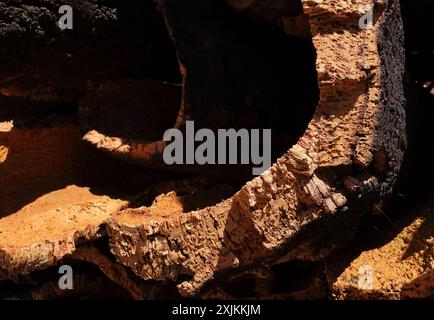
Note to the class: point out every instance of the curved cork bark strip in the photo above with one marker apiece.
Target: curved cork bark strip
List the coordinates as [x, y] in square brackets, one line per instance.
[308, 203]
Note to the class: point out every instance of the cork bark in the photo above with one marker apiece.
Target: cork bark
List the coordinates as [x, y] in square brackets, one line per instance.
[308, 203]
[306, 206]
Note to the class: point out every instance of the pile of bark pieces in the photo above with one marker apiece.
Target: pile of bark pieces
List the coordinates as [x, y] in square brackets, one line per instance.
[277, 236]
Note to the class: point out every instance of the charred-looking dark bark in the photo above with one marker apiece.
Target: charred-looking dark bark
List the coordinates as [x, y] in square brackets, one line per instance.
[109, 40]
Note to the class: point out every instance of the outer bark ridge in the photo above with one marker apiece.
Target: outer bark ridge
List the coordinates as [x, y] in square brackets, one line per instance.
[348, 158]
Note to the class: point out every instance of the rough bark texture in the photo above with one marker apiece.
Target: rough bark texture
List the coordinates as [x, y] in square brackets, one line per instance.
[347, 159]
[307, 205]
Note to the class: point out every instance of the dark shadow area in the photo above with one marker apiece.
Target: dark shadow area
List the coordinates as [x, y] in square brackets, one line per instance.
[25, 112]
[147, 104]
[241, 73]
[295, 275]
[419, 35]
[89, 284]
[131, 109]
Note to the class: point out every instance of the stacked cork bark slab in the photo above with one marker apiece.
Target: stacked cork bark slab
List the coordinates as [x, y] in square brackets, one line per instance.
[307, 205]
[309, 201]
